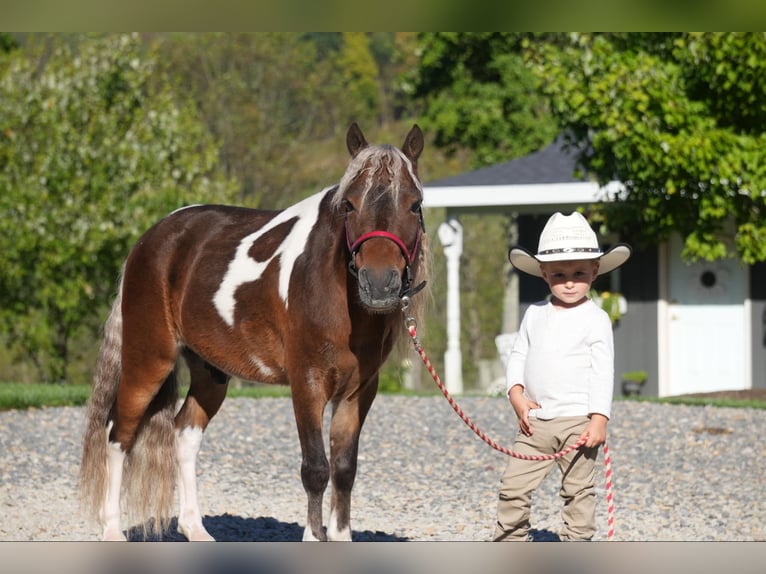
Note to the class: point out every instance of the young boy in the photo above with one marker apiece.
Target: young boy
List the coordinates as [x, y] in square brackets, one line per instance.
[560, 378]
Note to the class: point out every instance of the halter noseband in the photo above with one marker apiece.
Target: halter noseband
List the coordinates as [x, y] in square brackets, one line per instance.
[409, 255]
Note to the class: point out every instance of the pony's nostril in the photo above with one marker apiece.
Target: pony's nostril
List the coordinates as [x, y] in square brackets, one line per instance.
[379, 289]
[393, 281]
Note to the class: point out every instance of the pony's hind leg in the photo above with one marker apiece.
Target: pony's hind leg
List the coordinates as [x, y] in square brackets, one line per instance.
[347, 420]
[109, 515]
[206, 394]
[137, 426]
[141, 417]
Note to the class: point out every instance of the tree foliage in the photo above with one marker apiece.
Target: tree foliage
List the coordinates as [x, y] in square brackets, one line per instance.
[91, 153]
[280, 102]
[259, 95]
[479, 94]
[359, 76]
[7, 42]
[679, 119]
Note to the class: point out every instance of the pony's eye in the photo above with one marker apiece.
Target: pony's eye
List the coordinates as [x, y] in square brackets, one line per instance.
[415, 207]
[348, 207]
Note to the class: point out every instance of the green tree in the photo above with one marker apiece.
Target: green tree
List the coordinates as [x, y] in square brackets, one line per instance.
[91, 153]
[280, 102]
[679, 119]
[7, 42]
[261, 94]
[359, 72]
[478, 94]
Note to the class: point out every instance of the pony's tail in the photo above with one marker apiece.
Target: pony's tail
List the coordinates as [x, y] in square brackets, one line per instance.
[150, 468]
[93, 474]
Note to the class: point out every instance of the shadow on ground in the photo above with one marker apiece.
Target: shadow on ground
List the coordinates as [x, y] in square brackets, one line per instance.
[544, 536]
[230, 528]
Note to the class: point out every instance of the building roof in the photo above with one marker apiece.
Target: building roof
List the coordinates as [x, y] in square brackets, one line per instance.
[543, 181]
[556, 163]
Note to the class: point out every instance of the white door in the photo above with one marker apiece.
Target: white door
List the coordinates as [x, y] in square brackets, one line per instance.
[708, 343]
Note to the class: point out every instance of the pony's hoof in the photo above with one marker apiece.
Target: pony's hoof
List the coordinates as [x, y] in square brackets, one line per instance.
[196, 534]
[203, 536]
[113, 535]
[308, 535]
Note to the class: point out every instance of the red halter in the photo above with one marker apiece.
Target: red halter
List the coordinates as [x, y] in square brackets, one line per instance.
[409, 256]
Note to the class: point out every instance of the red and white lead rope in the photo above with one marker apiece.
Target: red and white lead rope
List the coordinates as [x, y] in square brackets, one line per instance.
[410, 323]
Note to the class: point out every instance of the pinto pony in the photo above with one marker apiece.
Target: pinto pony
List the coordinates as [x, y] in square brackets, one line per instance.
[308, 296]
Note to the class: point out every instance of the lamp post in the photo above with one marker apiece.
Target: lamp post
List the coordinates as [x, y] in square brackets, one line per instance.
[451, 237]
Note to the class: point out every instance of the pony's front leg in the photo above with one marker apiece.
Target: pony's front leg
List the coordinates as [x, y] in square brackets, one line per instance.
[110, 509]
[315, 470]
[348, 418]
[344, 457]
[315, 474]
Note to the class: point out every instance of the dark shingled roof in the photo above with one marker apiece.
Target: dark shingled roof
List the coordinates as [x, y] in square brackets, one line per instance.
[556, 163]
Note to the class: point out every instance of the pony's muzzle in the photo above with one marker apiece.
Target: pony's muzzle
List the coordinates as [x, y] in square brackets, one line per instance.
[379, 290]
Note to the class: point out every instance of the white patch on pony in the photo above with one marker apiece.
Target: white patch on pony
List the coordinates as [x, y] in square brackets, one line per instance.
[335, 534]
[264, 369]
[243, 269]
[308, 536]
[184, 207]
[188, 443]
[110, 511]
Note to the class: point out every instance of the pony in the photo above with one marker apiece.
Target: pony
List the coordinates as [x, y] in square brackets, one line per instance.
[308, 296]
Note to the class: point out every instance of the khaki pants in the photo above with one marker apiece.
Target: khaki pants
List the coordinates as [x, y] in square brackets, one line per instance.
[522, 477]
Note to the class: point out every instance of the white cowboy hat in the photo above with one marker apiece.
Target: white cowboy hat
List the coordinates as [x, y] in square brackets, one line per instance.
[568, 238]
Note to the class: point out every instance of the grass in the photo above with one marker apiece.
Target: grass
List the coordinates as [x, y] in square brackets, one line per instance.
[26, 396]
[703, 402]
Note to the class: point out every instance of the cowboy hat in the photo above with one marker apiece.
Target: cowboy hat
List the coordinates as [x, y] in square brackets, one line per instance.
[568, 238]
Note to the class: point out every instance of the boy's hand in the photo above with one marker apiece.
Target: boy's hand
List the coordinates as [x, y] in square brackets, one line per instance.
[522, 405]
[595, 433]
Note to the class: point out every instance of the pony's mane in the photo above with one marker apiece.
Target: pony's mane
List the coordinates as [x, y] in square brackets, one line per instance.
[372, 164]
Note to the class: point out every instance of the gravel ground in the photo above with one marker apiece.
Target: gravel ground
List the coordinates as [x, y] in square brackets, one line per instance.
[680, 473]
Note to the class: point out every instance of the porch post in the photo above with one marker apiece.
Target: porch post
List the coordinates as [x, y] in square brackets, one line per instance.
[451, 236]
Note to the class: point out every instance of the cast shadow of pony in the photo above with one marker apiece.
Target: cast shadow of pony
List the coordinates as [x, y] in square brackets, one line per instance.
[230, 528]
[544, 536]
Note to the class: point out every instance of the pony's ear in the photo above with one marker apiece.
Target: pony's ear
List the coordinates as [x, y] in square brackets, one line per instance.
[413, 144]
[355, 141]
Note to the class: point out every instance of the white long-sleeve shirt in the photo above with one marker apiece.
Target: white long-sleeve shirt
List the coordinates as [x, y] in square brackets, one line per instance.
[564, 359]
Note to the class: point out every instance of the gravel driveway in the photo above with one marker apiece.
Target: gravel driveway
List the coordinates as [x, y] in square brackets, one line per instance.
[680, 473]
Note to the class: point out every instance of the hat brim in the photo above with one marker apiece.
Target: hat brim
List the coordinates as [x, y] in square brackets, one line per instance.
[525, 261]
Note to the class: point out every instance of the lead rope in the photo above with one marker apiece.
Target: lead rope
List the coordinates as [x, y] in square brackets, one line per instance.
[411, 325]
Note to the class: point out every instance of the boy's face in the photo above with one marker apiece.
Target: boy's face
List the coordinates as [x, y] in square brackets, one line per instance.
[570, 281]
